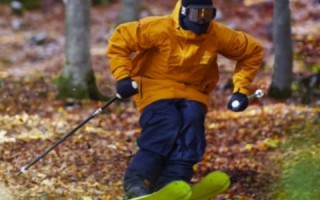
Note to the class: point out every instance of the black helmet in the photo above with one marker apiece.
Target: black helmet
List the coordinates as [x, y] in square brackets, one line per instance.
[196, 15]
[196, 2]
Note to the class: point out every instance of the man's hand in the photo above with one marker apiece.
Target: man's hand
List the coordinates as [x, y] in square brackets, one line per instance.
[126, 88]
[238, 102]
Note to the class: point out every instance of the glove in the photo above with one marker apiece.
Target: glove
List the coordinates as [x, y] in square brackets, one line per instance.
[126, 88]
[238, 102]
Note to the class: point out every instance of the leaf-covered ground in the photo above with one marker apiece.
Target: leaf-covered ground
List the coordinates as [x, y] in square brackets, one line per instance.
[91, 163]
[259, 148]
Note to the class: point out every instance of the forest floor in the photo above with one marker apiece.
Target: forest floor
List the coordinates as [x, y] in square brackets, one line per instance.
[270, 151]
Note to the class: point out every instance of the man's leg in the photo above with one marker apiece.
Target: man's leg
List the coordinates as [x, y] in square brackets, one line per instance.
[189, 145]
[160, 124]
[143, 169]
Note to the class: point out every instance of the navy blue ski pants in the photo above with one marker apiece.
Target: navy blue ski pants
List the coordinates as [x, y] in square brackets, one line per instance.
[171, 142]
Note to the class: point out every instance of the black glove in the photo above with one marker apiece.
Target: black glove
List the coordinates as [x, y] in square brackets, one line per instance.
[126, 88]
[242, 104]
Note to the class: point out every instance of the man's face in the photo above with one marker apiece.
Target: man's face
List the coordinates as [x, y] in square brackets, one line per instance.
[197, 18]
[199, 14]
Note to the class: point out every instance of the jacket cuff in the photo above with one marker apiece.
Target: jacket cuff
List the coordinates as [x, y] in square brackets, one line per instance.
[120, 74]
[242, 90]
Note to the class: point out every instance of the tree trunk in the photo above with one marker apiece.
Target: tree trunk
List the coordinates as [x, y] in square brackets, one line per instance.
[129, 11]
[77, 78]
[282, 76]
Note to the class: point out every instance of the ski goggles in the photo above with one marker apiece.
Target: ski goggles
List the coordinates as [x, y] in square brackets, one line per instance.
[200, 14]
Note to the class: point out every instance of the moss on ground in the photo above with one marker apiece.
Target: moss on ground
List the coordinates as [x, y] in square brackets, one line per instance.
[300, 177]
[86, 90]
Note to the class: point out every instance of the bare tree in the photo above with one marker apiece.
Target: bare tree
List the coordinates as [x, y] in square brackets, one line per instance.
[129, 11]
[77, 79]
[282, 76]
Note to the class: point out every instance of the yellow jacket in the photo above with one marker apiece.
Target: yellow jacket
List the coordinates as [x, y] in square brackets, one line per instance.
[168, 62]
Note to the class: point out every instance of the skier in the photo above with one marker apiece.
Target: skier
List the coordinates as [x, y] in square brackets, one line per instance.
[169, 64]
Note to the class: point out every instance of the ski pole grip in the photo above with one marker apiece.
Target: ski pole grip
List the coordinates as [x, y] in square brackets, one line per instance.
[257, 95]
[134, 85]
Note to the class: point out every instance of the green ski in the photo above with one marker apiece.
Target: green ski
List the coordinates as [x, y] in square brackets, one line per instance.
[210, 186]
[176, 190]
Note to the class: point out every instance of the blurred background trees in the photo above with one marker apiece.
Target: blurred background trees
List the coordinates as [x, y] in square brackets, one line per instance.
[129, 11]
[282, 76]
[77, 79]
[295, 67]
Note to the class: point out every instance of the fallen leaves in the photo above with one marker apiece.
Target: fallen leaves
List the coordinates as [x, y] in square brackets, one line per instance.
[91, 163]
[5, 193]
[253, 2]
[246, 144]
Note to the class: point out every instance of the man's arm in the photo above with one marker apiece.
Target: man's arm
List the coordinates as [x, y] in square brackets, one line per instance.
[126, 40]
[248, 53]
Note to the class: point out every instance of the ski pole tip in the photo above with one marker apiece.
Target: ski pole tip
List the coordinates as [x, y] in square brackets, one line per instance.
[23, 170]
[259, 93]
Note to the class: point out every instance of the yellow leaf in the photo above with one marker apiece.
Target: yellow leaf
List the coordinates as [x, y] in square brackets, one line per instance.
[3, 74]
[262, 146]
[195, 168]
[253, 2]
[249, 147]
[273, 143]
[106, 197]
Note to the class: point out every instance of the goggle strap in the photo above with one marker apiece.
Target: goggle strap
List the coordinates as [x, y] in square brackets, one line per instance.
[183, 10]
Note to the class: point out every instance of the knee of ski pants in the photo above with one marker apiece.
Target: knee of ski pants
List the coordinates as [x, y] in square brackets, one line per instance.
[160, 123]
[191, 142]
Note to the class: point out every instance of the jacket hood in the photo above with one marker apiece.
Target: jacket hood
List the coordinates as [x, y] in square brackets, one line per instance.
[175, 14]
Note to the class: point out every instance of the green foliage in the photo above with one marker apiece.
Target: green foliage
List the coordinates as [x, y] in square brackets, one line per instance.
[31, 4]
[315, 68]
[303, 179]
[6, 62]
[5, 1]
[100, 2]
[26, 5]
[300, 178]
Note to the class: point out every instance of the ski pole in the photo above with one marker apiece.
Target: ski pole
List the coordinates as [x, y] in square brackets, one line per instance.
[257, 95]
[43, 154]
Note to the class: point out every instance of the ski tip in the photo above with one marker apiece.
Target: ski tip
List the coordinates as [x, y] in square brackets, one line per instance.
[219, 177]
[180, 189]
[176, 190]
[210, 186]
[179, 185]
